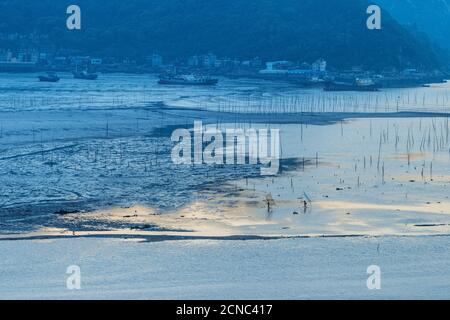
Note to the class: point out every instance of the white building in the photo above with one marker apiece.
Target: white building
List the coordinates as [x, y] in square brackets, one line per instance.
[319, 66]
[276, 67]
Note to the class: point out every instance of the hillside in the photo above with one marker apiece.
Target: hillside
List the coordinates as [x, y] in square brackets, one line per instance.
[282, 29]
[431, 17]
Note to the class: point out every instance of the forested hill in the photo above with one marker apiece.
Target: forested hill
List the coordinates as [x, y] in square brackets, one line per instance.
[271, 29]
[430, 16]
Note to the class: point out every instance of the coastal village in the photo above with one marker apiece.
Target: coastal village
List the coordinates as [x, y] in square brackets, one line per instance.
[302, 73]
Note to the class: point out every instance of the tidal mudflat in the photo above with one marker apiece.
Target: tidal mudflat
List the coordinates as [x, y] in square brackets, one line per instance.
[86, 171]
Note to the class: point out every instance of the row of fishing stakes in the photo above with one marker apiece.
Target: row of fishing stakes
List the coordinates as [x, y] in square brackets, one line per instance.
[434, 137]
[293, 101]
[314, 101]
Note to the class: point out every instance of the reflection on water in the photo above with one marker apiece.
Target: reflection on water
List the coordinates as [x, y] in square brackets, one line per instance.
[373, 176]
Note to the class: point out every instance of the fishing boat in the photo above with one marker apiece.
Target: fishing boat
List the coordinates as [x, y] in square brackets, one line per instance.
[49, 77]
[85, 75]
[313, 82]
[357, 85]
[190, 79]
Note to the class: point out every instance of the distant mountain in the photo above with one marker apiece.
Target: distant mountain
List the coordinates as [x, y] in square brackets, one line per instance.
[430, 16]
[271, 29]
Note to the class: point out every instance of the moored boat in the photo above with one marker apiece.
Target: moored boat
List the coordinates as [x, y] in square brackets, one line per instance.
[356, 85]
[49, 77]
[313, 82]
[190, 79]
[84, 75]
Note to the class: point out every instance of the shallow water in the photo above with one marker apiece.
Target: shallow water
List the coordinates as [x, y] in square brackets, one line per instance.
[20, 92]
[367, 176]
[80, 145]
[411, 268]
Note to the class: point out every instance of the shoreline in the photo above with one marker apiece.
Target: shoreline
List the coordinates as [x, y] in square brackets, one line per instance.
[143, 237]
[389, 83]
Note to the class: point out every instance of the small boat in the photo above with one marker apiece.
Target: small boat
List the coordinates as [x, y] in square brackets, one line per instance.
[84, 75]
[190, 79]
[49, 77]
[357, 85]
[313, 82]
